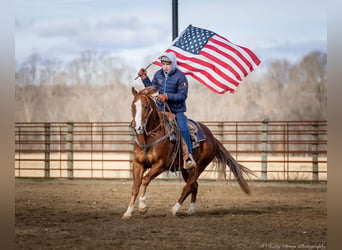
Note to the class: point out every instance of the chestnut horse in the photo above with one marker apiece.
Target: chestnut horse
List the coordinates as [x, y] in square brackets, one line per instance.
[153, 151]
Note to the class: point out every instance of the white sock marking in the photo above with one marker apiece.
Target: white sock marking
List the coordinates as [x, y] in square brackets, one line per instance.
[176, 208]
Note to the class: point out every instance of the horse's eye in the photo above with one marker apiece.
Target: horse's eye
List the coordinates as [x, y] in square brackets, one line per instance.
[146, 107]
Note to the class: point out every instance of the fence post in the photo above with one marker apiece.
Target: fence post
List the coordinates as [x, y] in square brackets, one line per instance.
[264, 149]
[70, 149]
[19, 148]
[220, 134]
[314, 148]
[131, 157]
[47, 151]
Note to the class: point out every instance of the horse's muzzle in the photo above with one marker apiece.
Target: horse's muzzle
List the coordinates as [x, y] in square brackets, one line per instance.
[139, 130]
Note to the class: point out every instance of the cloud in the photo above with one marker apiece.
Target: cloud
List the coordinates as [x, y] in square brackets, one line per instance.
[122, 33]
[60, 29]
[118, 33]
[130, 27]
[68, 38]
[291, 51]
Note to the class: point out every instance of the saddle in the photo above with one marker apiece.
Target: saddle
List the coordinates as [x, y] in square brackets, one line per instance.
[196, 133]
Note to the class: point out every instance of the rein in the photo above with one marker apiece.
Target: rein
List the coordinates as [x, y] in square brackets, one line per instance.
[147, 133]
[146, 147]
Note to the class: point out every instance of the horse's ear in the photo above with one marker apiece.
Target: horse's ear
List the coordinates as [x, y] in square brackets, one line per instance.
[134, 92]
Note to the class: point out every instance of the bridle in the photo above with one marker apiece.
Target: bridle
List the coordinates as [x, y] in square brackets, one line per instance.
[146, 147]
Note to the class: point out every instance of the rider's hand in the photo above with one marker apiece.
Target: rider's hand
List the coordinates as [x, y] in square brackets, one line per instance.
[142, 73]
[162, 97]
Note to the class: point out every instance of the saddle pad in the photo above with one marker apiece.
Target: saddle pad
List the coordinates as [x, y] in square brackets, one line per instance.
[199, 133]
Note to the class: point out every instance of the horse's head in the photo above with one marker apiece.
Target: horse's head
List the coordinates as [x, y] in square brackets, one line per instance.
[142, 107]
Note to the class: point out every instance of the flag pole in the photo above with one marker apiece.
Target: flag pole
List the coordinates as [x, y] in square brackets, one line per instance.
[175, 40]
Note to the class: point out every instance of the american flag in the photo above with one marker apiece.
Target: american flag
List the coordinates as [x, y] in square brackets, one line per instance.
[212, 59]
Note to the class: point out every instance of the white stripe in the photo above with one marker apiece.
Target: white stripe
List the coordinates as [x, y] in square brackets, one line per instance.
[229, 52]
[209, 70]
[137, 117]
[207, 80]
[204, 79]
[222, 58]
[227, 61]
[242, 51]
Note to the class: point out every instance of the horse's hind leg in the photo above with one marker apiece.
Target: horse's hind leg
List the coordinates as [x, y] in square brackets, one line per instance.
[191, 187]
[192, 207]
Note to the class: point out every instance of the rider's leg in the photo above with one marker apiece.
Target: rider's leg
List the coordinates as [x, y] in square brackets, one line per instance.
[182, 121]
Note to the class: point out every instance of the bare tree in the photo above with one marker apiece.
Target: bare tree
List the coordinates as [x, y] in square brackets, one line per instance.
[96, 87]
[27, 72]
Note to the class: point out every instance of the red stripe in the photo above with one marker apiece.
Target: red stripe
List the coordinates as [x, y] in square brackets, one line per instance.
[225, 88]
[229, 57]
[208, 86]
[209, 76]
[223, 64]
[238, 53]
[252, 55]
[208, 65]
[248, 51]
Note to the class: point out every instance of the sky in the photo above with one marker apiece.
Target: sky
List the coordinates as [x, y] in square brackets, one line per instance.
[138, 31]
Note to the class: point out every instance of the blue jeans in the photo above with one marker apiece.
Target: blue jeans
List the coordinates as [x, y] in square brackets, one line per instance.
[182, 122]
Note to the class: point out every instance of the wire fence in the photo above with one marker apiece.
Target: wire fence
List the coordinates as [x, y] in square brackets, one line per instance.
[274, 150]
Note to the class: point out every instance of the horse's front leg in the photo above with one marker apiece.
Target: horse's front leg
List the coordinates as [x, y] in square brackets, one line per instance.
[138, 171]
[155, 170]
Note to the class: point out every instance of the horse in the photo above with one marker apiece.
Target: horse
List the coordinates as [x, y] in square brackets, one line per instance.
[153, 151]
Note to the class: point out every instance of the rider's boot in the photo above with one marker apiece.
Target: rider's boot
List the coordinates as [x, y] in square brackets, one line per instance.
[189, 162]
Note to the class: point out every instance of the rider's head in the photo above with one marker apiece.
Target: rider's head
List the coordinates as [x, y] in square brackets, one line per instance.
[168, 61]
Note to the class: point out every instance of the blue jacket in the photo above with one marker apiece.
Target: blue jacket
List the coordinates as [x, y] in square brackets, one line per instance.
[176, 86]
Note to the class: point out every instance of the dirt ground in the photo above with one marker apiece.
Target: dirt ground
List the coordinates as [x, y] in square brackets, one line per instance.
[86, 214]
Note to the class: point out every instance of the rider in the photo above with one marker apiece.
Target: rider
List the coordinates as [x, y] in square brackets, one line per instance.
[173, 89]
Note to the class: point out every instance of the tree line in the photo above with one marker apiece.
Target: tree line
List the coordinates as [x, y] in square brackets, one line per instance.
[96, 87]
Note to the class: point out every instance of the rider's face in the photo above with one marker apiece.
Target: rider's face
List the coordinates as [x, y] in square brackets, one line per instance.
[166, 66]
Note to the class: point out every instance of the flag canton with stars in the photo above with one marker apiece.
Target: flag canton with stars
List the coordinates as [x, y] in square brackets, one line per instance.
[194, 39]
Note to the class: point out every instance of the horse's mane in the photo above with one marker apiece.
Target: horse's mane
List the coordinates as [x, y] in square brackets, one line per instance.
[148, 91]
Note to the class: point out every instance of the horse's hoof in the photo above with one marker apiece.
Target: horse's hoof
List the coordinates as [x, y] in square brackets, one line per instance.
[173, 212]
[175, 209]
[143, 210]
[126, 217]
[190, 212]
[128, 213]
[192, 209]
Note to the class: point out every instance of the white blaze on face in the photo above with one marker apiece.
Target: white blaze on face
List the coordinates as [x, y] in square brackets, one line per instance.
[137, 117]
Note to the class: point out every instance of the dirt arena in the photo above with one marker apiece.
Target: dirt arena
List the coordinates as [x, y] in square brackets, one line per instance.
[86, 214]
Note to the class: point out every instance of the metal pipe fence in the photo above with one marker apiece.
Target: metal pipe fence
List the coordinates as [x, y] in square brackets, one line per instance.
[274, 150]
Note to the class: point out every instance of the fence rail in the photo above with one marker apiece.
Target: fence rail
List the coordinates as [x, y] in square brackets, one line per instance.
[274, 150]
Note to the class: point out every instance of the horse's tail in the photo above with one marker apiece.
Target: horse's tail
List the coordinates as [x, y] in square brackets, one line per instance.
[224, 158]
